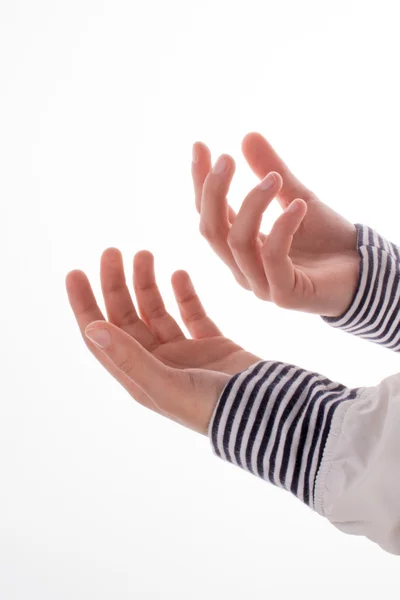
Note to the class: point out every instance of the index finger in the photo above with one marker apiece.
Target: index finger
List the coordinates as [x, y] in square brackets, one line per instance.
[82, 300]
[201, 166]
[262, 159]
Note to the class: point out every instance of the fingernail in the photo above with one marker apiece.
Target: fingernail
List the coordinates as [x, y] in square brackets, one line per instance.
[220, 166]
[267, 183]
[101, 337]
[194, 154]
[293, 206]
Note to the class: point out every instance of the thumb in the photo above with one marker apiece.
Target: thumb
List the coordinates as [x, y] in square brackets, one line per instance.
[131, 359]
[187, 396]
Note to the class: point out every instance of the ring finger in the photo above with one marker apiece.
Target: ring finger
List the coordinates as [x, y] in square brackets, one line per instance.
[214, 221]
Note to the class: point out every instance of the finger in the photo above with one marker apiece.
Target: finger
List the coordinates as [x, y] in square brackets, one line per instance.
[262, 159]
[82, 300]
[201, 166]
[232, 216]
[150, 302]
[214, 222]
[86, 310]
[279, 269]
[242, 238]
[187, 396]
[119, 305]
[136, 367]
[191, 309]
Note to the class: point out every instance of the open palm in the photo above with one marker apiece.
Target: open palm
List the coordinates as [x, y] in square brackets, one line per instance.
[155, 329]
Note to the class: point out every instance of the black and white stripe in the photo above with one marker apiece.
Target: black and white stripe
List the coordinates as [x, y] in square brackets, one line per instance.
[374, 313]
[273, 420]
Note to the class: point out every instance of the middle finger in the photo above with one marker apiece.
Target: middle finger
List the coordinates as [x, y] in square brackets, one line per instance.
[119, 305]
[151, 305]
[214, 221]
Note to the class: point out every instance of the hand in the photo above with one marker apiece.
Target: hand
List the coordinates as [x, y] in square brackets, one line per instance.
[309, 260]
[150, 356]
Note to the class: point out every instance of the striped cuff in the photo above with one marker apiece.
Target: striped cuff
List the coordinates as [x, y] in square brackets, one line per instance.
[374, 313]
[274, 420]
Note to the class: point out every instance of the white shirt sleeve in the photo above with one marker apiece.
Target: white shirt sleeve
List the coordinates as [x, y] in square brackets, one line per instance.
[358, 486]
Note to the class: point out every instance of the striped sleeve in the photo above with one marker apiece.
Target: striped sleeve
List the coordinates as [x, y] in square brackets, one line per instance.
[336, 449]
[273, 420]
[374, 313]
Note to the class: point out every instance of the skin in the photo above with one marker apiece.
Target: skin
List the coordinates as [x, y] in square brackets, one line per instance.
[308, 261]
[149, 354]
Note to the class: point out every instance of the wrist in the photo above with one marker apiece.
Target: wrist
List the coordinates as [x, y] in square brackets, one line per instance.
[350, 284]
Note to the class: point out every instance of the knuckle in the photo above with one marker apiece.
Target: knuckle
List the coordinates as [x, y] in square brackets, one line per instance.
[269, 251]
[128, 318]
[211, 231]
[237, 241]
[308, 195]
[126, 365]
[204, 229]
[261, 294]
[156, 312]
[196, 315]
[242, 281]
[282, 301]
[279, 302]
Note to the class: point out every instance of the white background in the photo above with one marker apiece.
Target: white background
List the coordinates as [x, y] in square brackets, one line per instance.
[100, 105]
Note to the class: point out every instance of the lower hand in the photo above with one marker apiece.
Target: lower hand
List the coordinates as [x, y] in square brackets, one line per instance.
[150, 355]
[309, 260]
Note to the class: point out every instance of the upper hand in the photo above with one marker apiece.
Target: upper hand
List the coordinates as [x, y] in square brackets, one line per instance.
[309, 260]
[150, 355]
